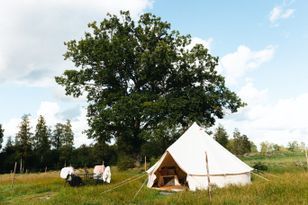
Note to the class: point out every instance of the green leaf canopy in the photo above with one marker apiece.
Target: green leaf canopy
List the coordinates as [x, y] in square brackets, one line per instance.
[140, 78]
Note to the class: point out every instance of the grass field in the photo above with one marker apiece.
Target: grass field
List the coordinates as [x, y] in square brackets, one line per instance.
[288, 185]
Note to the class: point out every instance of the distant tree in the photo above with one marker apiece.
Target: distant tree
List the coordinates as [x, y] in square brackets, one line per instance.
[240, 144]
[62, 141]
[140, 76]
[293, 146]
[68, 135]
[276, 148]
[268, 148]
[253, 147]
[9, 143]
[82, 156]
[221, 136]
[10, 155]
[302, 146]
[23, 140]
[264, 148]
[57, 136]
[1, 136]
[41, 144]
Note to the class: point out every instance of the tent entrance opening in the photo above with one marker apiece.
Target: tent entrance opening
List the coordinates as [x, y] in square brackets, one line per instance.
[169, 174]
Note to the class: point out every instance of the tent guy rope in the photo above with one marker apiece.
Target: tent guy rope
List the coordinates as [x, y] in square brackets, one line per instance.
[139, 189]
[260, 176]
[134, 178]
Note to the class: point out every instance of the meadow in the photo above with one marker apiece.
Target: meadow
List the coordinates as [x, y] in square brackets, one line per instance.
[288, 184]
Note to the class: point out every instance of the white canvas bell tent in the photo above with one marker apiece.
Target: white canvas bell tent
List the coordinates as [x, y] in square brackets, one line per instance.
[183, 163]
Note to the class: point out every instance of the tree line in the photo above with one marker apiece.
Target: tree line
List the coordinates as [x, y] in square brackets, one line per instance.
[46, 148]
[240, 144]
[53, 148]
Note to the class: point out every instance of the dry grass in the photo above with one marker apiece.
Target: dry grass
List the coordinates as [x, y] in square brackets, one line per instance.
[288, 186]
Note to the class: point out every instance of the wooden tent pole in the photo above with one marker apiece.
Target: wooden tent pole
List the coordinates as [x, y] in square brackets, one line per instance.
[208, 177]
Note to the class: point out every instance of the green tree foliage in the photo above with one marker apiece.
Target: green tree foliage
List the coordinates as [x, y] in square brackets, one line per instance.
[221, 136]
[23, 140]
[41, 143]
[268, 148]
[1, 136]
[57, 136]
[62, 135]
[9, 143]
[253, 147]
[41, 135]
[68, 135]
[240, 144]
[140, 77]
[277, 147]
[40, 155]
[62, 141]
[293, 146]
[8, 156]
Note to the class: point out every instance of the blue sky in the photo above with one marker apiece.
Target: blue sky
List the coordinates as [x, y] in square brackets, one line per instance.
[261, 45]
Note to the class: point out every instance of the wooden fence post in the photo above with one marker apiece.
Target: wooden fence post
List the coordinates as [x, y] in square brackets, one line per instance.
[21, 168]
[13, 178]
[145, 163]
[306, 157]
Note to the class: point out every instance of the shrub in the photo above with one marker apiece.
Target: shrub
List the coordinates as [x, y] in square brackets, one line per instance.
[125, 162]
[259, 166]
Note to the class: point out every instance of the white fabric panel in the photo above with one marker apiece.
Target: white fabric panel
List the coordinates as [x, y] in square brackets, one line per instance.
[98, 172]
[200, 182]
[151, 180]
[107, 175]
[66, 171]
[189, 152]
[99, 169]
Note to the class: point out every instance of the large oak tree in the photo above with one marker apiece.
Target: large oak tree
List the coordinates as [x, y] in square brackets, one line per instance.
[142, 80]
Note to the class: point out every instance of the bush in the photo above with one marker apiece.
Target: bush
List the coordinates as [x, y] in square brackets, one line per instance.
[259, 166]
[126, 162]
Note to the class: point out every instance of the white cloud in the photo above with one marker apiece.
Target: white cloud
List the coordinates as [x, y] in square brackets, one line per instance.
[49, 110]
[195, 40]
[279, 12]
[237, 64]
[2, 62]
[52, 113]
[251, 95]
[10, 127]
[280, 122]
[32, 34]
[59, 94]
[79, 125]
